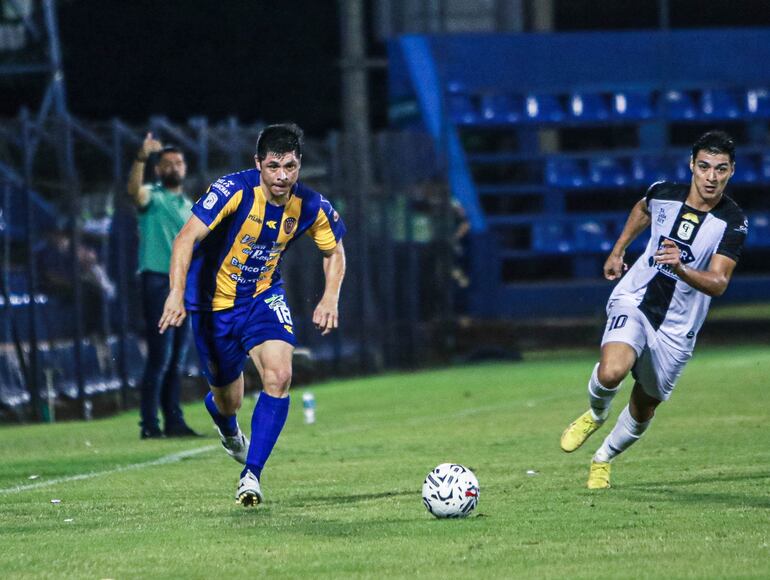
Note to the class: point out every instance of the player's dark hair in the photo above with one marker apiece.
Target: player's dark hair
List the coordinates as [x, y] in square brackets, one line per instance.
[715, 142]
[279, 139]
[169, 149]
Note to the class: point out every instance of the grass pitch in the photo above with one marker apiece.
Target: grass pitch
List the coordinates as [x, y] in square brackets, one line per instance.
[343, 496]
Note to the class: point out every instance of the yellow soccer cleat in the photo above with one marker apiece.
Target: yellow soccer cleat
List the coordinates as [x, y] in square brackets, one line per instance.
[578, 431]
[599, 476]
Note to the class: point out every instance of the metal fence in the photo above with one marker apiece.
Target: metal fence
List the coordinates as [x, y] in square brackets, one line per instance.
[70, 313]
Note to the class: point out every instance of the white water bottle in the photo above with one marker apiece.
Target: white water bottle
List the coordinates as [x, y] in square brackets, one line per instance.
[308, 407]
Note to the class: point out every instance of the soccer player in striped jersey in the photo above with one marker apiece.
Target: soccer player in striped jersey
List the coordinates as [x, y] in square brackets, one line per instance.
[656, 310]
[225, 273]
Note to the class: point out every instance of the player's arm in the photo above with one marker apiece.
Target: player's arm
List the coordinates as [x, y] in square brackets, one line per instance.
[713, 281]
[174, 311]
[137, 191]
[326, 314]
[638, 221]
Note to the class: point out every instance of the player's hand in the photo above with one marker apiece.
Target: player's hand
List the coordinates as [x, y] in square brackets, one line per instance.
[326, 316]
[614, 266]
[669, 253]
[174, 311]
[150, 145]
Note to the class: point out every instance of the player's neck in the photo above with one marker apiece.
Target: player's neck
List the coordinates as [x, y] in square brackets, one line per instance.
[695, 201]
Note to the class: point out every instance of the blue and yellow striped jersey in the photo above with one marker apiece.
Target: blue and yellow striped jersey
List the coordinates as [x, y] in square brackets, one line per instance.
[240, 257]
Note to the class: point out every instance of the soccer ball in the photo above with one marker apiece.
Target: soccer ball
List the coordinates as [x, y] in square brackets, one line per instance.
[450, 491]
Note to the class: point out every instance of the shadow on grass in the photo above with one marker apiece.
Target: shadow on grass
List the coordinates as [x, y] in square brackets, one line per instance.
[667, 491]
[351, 498]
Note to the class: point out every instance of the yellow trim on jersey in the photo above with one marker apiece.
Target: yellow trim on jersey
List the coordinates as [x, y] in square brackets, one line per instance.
[290, 222]
[224, 297]
[321, 232]
[228, 208]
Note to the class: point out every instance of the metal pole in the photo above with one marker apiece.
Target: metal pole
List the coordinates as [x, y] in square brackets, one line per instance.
[33, 384]
[355, 108]
[120, 258]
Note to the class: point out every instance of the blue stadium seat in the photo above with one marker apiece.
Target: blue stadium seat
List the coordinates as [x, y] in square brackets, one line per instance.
[462, 110]
[497, 108]
[759, 230]
[637, 246]
[680, 169]
[564, 172]
[632, 105]
[543, 108]
[551, 237]
[646, 170]
[764, 168]
[719, 104]
[607, 172]
[758, 103]
[679, 105]
[588, 107]
[592, 236]
[746, 169]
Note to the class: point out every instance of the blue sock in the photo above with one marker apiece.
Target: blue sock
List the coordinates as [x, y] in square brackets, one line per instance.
[227, 424]
[266, 424]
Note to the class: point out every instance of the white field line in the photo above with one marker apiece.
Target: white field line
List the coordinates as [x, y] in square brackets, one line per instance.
[173, 458]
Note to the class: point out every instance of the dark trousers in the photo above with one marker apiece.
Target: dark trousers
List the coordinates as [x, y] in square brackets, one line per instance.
[165, 355]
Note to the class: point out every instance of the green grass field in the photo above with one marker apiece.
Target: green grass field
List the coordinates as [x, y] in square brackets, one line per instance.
[691, 499]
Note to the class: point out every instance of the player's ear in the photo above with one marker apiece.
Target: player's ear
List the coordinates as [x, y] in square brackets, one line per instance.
[692, 164]
[256, 162]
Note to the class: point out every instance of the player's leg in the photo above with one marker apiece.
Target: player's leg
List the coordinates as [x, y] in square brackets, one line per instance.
[222, 358]
[624, 338]
[617, 359]
[630, 426]
[273, 361]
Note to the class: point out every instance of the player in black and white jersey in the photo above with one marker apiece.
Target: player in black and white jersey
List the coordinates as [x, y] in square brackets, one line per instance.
[656, 310]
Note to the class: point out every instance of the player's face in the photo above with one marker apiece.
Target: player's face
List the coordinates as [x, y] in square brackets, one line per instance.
[278, 174]
[710, 174]
[171, 169]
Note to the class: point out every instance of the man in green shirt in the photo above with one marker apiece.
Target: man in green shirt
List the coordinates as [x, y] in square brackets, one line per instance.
[162, 209]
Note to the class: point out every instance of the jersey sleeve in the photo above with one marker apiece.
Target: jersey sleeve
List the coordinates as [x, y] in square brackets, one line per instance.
[220, 200]
[733, 238]
[328, 228]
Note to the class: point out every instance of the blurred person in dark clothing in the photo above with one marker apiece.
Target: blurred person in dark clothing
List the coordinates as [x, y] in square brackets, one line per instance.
[163, 208]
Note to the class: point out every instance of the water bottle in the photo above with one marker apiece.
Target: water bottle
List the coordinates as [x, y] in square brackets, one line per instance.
[308, 407]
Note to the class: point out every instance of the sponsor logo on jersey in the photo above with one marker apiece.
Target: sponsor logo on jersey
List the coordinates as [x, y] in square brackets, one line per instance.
[691, 217]
[661, 216]
[685, 257]
[289, 329]
[255, 218]
[685, 230]
[271, 224]
[288, 225]
[210, 201]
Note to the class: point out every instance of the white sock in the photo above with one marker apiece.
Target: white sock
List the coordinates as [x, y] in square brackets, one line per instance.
[624, 434]
[600, 397]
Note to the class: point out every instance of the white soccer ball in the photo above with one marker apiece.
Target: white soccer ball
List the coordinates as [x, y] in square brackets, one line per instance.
[450, 491]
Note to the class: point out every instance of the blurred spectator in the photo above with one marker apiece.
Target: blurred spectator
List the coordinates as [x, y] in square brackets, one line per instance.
[163, 209]
[53, 257]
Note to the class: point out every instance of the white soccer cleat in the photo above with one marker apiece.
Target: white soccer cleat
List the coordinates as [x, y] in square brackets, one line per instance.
[236, 446]
[249, 492]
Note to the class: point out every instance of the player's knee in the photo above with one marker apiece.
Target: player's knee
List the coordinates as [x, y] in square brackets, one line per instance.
[611, 374]
[277, 380]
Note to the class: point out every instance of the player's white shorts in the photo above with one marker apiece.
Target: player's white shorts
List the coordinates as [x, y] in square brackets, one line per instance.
[658, 365]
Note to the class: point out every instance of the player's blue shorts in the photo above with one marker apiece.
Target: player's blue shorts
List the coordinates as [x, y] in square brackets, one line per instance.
[225, 337]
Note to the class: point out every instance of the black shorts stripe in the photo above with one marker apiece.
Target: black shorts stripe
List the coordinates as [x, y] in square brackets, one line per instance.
[657, 299]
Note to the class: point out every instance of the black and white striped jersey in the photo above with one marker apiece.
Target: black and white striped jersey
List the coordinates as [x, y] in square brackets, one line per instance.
[675, 309]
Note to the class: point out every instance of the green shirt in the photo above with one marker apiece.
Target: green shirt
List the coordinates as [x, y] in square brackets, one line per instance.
[159, 223]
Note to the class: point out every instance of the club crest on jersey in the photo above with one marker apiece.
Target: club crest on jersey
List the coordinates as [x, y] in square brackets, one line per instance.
[685, 230]
[288, 225]
[210, 201]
